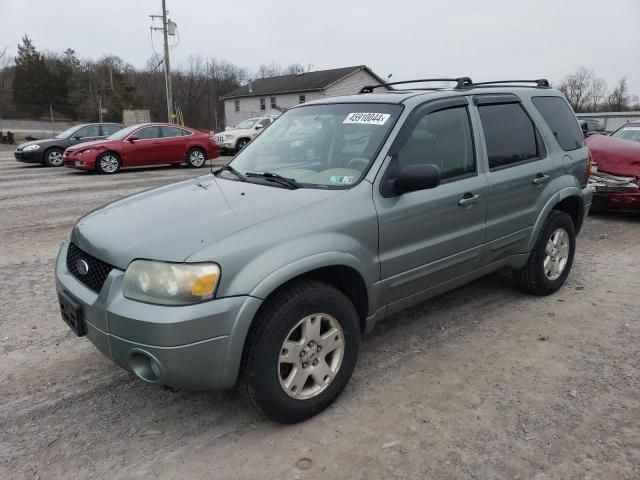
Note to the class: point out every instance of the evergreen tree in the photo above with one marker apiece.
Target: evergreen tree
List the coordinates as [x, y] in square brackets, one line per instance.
[31, 78]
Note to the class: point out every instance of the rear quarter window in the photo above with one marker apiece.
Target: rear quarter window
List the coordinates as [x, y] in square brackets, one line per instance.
[561, 120]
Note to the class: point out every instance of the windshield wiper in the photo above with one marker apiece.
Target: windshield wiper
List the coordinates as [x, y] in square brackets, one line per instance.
[274, 177]
[229, 168]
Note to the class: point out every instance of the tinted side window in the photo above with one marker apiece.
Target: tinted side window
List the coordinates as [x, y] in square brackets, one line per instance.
[110, 129]
[561, 121]
[444, 139]
[171, 131]
[509, 134]
[147, 133]
[90, 131]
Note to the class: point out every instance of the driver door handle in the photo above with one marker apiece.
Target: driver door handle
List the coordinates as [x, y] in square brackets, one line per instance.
[468, 200]
[541, 178]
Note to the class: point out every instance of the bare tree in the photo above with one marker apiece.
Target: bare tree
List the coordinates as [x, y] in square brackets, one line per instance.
[596, 94]
[576, 87]
[618, 100]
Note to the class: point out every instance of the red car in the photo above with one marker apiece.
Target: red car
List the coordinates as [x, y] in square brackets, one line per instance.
[616, 175]
[144, 144]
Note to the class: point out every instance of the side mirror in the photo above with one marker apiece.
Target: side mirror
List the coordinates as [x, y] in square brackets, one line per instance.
[76, 137]
[417, 177]
[259, 127]
[132, 138]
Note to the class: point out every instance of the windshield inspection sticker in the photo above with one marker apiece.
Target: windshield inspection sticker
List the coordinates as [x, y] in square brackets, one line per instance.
[367, 118]
[342, 180]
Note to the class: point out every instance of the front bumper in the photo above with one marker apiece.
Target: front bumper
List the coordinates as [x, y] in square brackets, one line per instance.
[194, 347]
[29, 156]
[81, 162]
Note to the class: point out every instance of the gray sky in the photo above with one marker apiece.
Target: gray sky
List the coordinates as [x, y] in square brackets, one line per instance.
[485, 39]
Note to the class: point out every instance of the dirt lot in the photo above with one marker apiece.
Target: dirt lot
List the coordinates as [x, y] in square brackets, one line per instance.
[481, 383]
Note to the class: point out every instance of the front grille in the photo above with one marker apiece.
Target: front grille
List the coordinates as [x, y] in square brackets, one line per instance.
[97, 272]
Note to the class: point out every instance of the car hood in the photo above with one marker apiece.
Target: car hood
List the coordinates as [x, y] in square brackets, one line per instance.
[615, 155]
[239, 131]
[83, 145]
[173, 222]
[44, 141]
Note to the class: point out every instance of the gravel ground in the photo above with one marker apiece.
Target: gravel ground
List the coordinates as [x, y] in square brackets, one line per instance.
[483, 382]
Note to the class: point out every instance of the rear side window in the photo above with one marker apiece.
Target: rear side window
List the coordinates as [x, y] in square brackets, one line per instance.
[171, 132]
[110, 129]
[510, 135]
[561, 121]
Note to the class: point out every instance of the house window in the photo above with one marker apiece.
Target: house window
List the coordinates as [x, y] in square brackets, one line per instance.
[263, 106]
[273, 102]
[302, 99]
[237, 104]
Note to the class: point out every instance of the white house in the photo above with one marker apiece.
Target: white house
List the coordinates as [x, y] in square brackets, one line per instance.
[273, 95]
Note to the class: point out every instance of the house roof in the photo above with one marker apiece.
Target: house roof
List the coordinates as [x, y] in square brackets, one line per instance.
[304, 82]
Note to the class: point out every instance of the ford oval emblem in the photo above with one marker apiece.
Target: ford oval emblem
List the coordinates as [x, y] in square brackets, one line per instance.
[82, 266]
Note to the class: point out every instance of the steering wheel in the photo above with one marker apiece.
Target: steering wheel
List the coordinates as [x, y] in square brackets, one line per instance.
[358, 163]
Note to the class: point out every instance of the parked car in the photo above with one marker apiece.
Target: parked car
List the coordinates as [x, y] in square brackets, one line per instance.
[590, 126]
[143, 144]
[629, 131]
[49, 151]
[234, 140]
[616, 176]
[271, 269]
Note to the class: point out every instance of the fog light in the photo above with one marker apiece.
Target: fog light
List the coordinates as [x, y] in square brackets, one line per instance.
[79, 163]
[145, 366]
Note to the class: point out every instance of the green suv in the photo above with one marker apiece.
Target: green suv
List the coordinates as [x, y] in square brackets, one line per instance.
[340, 213]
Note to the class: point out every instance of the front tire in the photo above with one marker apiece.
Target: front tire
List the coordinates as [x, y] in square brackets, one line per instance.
[53, 157]
[108, 163]
[196, 157]
[551, 259]
[241, 144]
[301, 351]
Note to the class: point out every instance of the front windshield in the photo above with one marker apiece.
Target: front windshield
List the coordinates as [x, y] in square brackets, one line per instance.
[247, 123]
[121, 134]
[67, 133]
[329, 145]
[629, 132]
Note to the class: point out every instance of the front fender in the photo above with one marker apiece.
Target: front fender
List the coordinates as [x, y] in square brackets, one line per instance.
[275, 266]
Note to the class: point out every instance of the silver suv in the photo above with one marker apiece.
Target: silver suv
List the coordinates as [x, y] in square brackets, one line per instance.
[340, 213]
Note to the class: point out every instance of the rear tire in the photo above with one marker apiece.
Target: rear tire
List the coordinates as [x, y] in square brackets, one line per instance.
[551, 259]
[53, 157]
[301, 351]
[108, 163]
[196, 157]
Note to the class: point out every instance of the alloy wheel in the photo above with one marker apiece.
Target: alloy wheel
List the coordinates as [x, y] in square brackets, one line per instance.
[311, 356]
[556, 253]
[109, 163]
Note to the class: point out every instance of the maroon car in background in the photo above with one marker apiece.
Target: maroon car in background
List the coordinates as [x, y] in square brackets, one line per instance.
[143, 144]
[616, 170]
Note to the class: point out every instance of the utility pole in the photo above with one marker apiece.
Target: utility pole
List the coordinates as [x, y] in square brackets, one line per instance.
[167, 65]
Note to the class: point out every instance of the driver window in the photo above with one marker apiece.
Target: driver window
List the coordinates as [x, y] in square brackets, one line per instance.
[90, 131]
[147, 133]
[442, 138]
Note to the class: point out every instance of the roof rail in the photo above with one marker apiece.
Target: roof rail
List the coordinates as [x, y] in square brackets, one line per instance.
[540, 83]
[461, 82]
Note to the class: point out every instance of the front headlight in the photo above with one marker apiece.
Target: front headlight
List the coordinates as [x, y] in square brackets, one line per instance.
[170, 283]
[228, 137]
[31, 148]
[87, 150]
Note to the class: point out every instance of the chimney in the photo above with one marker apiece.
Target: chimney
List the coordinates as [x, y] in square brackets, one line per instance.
[250, 86]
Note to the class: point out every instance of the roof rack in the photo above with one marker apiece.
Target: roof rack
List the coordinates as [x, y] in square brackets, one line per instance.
[461, 82]
[540, 83]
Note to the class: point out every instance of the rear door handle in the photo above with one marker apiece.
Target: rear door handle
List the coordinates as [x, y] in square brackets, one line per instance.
[541, 178]
[468, 200]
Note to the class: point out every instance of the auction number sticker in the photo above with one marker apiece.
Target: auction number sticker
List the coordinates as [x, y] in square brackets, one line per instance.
[342, 180]
[367, 118]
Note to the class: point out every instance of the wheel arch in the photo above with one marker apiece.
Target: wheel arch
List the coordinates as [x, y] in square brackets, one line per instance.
[568, 200]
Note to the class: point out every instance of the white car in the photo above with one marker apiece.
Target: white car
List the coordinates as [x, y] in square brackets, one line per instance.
[234, 140]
